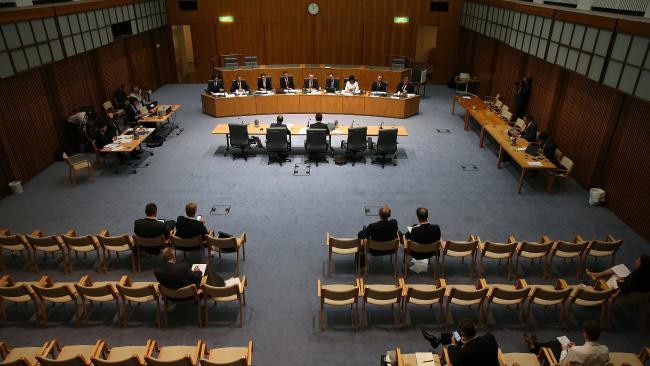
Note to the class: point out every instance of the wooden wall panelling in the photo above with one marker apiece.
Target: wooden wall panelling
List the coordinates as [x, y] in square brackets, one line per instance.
[483, 63]
[381, 40]
[205, 48]
[338, 43]
[140, 58]
[74, 85]
[465, 50]
[245, 38]
[506, 72]
[545, 85]
[626, 175]
[164, 56]
[585, 117]
[112, 68]
[292, 44]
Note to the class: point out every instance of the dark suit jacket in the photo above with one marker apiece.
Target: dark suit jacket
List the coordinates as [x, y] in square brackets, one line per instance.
[382, 230]
[409, 87]
[637, 281]
[314, 84]
[530, 132]
[102, 139]
[131, 113]
[378, 86]
[150, 228]
[521, 95]
[479, 351]
[269, 85]
[328, 85]
[275, 124]
[423, 234]
[284, 85]
[177, 275]
[234, 86]
[320, 125]
[217, 87]
[189, 228]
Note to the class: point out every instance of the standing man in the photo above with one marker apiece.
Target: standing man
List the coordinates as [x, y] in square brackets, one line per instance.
[423, 232]
[405, 86]
[286, 81]
[263, 83]
[240, 85]
[379, 85]
[311, 83]
[522, 94]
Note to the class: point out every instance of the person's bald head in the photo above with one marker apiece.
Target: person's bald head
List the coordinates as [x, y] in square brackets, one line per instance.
[384, 212]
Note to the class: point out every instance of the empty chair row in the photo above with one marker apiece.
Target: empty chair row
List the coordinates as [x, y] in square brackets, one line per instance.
[401, 295]
[123, 293]
[477, 250]
[103, 244]
[52, 353]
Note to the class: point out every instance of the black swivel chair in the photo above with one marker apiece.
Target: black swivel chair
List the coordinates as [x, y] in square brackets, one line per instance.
[316, 145]
[386, 145]
[238, 137]
[357, 142]
[278, 144]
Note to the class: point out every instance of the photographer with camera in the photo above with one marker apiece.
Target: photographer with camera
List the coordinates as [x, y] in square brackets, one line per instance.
[465, 347]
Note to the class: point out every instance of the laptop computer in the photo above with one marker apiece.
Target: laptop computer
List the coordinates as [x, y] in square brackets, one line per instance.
[532, 150]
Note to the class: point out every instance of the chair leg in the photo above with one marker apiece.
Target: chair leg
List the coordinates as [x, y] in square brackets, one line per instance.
[320, 317]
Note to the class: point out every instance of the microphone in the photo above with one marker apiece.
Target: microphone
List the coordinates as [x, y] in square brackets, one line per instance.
[352, 124]
[381, 125]
[240, 121]
[308, 121]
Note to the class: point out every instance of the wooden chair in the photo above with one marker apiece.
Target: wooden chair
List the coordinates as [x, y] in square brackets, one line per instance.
[343, 246]
[188, 244]
[78, 163]
[509, 295]
[339, 295]
[17, 293]
[100, 292]
[139, 293]
[228, 245]
[420, 294]
[557, 155]
[426, 249]
[14, 244]
[77, 355]
[24, 356]
[382, 295]
[176, 355]
[588, 296]
[48, 244]
[387, 247]
[140, 242]
[532, 251]
[569, 250]
[520, 124]
[55, 293]
[231, 293]
[605, 248]
[466, 295]
[550, 295]
[117, 244]
[229, 356]
[527, 358]
[187, 293]
[123, 356]
[506, 115]
[81, 244]
[498, 251]
[562, 172]
[108, 106]
[631, 359]
[460, 249]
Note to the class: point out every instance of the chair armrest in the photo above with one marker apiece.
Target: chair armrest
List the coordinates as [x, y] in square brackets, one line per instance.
[445, 354]
[482, 283]
[644, 354]
[511, 239]
[198, 352]
[561, 284]
[502, 360]
[4, 231]
[547, 354]
[319, 288]
[100, 346]
[37, 234]
[242, 284]
[521, 283]
[473, 237]
[149, 348]
[70, 233]
[249, 354]
[45, 281]
[327, 238]
[125, 280]
[242, 238]
[578, 238]
[85, 281]
[545, 239]
[361, 286]
[442, 282]
[204, 280]
[610, 237]
[3, 350]
[601, 285]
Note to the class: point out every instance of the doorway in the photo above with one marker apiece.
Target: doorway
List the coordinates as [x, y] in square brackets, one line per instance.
[183, 53]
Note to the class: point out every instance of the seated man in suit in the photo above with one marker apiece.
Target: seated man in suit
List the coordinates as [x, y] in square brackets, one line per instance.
[530, 131]
[151, 227]
[217, 84]
[263, 83]
[405, 86]
[382, 230]
[190, 226]
[174, 275]
[286, 81]
[331, 84]
[239, 85]
[311, 83]
[423, 232]
[132, 112]
[379, 85]
[471, 349]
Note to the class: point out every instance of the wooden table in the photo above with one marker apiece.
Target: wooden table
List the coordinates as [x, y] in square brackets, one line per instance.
[495, 126]
[411, 359]
[125, 144]
[155, 118]
[329, 103]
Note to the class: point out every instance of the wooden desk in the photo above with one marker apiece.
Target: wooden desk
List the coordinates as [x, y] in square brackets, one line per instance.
[222, 129]
[125, 144]
[310, 103]
[155, 118]
[410, 359]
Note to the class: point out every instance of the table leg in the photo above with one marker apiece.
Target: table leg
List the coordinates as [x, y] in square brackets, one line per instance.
[499, 158]
[227, 144]
[551, 181]
[481, 137]
[453, 106]
[467, 120]
[521, 179]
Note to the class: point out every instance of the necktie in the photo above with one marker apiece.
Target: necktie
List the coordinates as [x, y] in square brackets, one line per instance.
[263, 83]
[310, 84]
[286, 82]
[332, 83]
[404, 88]
[239, 85]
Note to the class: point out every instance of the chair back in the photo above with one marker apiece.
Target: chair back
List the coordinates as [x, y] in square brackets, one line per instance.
[183, 361]
[116, 242]
[316, 141]
[435, 293]
[66, 158]
[149, 242]
[557, 155]
[498, 248]
[520, 124]
[220, 292]
[276, 139]
[237, 362]
[383, 245]
[78, 360]
[566, 163]
[101, 293]
[378, 292]
[357, 139]
[569, 248]
[509, 295]
[339, 293]
[180, 293]
[588, 295]
[56, 293]
[12, 241]
[343, 243]
[498, 104]
[107, 105]
[238, 134]
[530, 249]
[457, 295]
[46, 243]
[460, 248]
[78, 241]
[554, 296]
[187, 243]
[139, 293]
[387, 141]
[222, 243]
[16, 293]
[130, 361]
[414, 246]
[609, 247]
[506, 114]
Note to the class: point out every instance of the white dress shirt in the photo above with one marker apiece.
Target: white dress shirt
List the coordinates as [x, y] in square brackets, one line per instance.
[351, 87]
[590, 354]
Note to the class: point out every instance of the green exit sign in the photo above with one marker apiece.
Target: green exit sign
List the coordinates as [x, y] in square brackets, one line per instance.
[226, 19]
[401, 20]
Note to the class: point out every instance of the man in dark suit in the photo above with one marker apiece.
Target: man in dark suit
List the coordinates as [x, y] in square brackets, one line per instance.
[132, 112]
[319, 123]
[379, 85]
[286, 81]
[530, 131]
[331, 84]
[279, 122]
[264, 83]
[151, 227]
[174, 275]
[405, 86]
[189, 226]
[311, 83]
[471, 350]
[240, 85]
[522, 94]
[216, 86]
[382, 230]
[423, 232]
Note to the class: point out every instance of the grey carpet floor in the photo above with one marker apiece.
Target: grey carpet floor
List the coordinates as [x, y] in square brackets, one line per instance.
[286, 218]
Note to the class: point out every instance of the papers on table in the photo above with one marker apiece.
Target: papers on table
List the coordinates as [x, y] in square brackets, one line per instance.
[563, 340]
[424, 358]
[419, 265]
[521, 148]
[535, 163]
[112, 147]
[394, 97]
[199, 266]
[230, 95]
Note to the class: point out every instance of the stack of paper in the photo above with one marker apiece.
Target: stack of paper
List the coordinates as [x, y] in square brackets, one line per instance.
[535, 163]
[419, 265]
[424, 358]
[201, 267]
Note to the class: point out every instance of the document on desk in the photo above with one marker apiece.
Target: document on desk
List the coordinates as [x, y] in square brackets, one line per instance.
[112, 147]
[535, 163]
[424, 358]
[200, 266]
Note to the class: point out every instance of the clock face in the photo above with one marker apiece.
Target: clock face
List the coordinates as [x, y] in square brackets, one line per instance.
[313, 8]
